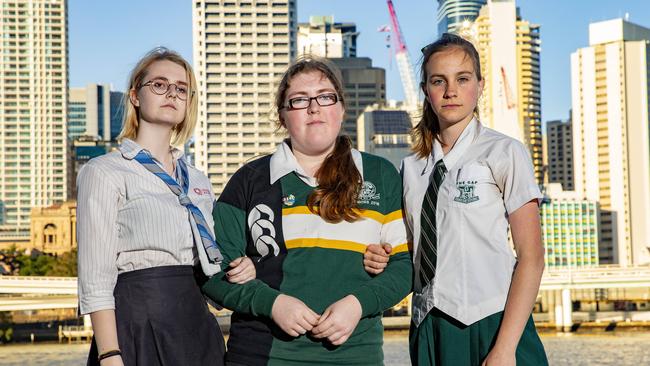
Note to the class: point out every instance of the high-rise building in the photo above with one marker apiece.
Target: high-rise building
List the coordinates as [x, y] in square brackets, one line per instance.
[322, 37]
[560, 153]
[609, 83]
[33, 109]
[384, 130]
[570, 229]
[95, 111]
[364, 85]
[116, 104]
[82, 149]
[509, 47]
[95, 116]
[241, 49]
[452, 14]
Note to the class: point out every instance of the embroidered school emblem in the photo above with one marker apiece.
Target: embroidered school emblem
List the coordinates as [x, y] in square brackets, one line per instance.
[368, 194]
[289, 200]
[466, 192]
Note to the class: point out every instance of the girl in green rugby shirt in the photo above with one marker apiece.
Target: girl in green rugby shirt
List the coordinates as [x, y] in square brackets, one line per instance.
[305, 215]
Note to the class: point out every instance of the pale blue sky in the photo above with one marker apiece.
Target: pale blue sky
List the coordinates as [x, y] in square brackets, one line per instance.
[106, 38]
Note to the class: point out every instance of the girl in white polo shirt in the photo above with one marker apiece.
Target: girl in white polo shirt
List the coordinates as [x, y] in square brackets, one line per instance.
[464, 187]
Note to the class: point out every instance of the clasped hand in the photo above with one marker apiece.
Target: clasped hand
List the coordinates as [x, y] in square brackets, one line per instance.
[336, 324]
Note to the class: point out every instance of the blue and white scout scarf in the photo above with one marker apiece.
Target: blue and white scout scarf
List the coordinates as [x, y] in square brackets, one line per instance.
[209, 254]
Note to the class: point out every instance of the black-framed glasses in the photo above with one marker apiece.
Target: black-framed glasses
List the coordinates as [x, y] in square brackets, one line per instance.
[322, 100]
[161, 87]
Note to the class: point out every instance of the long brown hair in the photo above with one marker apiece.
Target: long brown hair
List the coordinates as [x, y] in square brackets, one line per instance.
[339, 180]
[429, 127]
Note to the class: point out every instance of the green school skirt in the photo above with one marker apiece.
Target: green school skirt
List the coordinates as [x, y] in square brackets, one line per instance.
[443, 341]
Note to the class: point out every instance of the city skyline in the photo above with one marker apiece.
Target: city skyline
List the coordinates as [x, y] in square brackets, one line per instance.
[65, 63]
[241, 48]
[98, 55]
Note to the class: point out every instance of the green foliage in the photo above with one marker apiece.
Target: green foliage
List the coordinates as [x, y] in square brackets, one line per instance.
[65, 265]
[9, 334]
[6, 335]
[41, 264]
[37, 265]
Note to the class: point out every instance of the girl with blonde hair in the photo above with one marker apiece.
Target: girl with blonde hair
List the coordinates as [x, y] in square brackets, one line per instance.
[144, 222]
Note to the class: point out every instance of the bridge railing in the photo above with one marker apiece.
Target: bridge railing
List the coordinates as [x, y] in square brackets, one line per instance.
[602, 276]
[38, 285]
[605, 275]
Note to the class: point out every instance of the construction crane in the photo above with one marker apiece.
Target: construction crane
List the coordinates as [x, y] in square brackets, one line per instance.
[403, 60]
[510, 99]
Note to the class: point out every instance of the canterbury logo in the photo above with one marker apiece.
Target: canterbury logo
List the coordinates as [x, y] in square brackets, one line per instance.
[260, 223]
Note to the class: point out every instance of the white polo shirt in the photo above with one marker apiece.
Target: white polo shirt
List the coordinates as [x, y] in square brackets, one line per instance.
[488, 176]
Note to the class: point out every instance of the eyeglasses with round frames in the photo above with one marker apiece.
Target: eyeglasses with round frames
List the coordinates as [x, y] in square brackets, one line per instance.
[162, 86]
[322, 100]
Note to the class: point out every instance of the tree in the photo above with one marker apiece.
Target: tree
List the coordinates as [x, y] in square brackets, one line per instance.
[64, 265]
[41, 264]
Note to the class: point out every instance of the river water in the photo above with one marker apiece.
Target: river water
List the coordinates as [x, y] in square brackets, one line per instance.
[617, 348]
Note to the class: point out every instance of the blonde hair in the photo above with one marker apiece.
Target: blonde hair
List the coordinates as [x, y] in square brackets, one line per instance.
[181, 132]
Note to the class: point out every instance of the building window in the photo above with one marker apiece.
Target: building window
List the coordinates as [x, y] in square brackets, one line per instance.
[49, 235]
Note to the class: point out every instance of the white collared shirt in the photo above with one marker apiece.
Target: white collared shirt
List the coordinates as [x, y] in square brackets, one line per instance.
[489, 175]
[284, 162]
[129, 219]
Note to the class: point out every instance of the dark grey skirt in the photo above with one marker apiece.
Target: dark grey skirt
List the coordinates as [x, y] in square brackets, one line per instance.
[162, 319]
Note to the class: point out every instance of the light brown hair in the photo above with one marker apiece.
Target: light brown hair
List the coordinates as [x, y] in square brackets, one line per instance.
[339, 180]
[181, 132]
[428, 127]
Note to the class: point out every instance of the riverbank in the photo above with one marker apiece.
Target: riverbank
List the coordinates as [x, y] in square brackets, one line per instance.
[563, 349]
[402, 323]
[56, 331]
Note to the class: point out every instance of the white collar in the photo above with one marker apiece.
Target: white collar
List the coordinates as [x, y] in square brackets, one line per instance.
[130, 149]
[284, 162]
[465, 139]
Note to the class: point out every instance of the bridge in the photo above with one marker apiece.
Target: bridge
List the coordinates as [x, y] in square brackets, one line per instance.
[34, 293]
[557, 285]
[38, 285]
[597, 277]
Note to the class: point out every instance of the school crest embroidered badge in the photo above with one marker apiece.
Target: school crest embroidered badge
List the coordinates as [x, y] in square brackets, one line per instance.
[466, 192]
[368, 194]
[368, 191]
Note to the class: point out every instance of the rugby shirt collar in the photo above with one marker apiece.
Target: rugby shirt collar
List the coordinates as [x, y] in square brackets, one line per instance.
[284, 162]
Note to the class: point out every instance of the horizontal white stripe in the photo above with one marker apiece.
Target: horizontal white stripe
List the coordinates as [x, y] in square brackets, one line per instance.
[298, 226]
[393, 233]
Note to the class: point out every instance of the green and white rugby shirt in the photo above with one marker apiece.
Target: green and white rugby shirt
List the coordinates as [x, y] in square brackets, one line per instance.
[262, 213]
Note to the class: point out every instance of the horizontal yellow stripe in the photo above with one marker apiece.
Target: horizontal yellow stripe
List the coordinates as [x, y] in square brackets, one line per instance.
[325, 243]
[395, 215]
[400, 249]
[370, 214]
[298, 210]
[373, 215]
